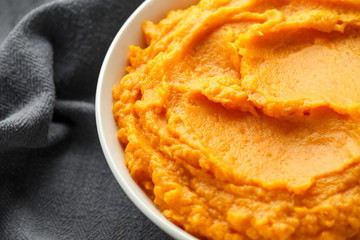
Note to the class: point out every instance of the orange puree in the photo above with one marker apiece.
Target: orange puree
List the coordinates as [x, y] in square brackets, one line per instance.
[241, 118]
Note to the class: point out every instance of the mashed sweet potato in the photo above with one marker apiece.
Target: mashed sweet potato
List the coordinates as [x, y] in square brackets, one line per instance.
[240, 119]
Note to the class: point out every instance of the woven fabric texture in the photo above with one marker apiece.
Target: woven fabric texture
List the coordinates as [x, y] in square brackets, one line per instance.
[54, 180]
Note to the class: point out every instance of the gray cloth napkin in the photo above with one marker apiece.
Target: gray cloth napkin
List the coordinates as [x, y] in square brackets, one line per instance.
[11, 12]
[54, 180]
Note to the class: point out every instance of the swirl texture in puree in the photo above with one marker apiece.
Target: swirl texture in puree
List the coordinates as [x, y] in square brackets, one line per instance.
[240, 119]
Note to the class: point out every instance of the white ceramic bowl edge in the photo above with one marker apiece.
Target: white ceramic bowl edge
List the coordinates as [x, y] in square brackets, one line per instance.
[112, 70]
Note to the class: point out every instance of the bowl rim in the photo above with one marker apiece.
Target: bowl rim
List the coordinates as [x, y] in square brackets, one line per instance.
[129, 186]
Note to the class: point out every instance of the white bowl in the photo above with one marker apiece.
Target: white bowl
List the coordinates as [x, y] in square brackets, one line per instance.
[112, 70]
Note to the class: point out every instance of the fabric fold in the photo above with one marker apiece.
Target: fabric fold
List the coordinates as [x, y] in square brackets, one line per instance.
[54, 180]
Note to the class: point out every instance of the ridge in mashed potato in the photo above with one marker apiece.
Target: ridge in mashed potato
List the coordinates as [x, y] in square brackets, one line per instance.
[240, 119]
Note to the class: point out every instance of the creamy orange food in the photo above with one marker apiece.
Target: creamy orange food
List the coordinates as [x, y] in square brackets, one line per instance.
[240, 119]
